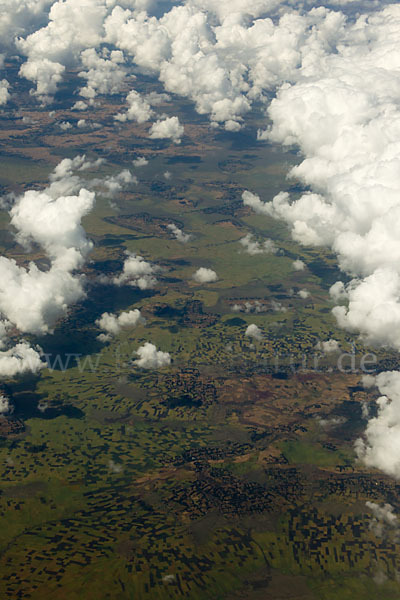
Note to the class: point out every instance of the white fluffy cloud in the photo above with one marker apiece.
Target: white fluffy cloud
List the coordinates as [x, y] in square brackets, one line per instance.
[19, 360]
[208, 51]
[298, 265]
[181, 48]
[204, 275]
[113, 324]
[105, 74]
[66, 178]
[80, 105]
[250, 307]
[151, 358]
[255, 8]
[5, 405]
[373, 307]
[109, 186]
[384, 518]
[329, 346]
[4, 92]
[253, 200]
[45, 73]
[380, 446]
[138, 273]
[54, 224]
[254, 332]
[347, 128]
[72, 27]
[205, 50]
[20, 17]
[139, 109]
[184, 238]
[140, 161]
[31, 298]
[168, 128]
[253, 247]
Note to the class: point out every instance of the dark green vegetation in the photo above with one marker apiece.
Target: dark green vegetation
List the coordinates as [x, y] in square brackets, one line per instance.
[230, 474]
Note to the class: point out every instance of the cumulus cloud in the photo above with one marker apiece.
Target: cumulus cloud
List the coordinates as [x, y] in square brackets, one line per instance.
[212, 53]
[168, 128]
[254, 332]
[185, 39]
[59, 38]
[54, 224]
[72, 27]
[239, 7]
[140, 161]
[138, 273]
[384, 519]
[109, 186]
[298, 265]
[350, 160]
[115, 467]
[20, 17]
[19, 360]
[380, 446]
[304, 294]
[178, 233]
[65, 125]
[278, 306]
[6, 407]
[80, 105]
[139, 110]
[205, 50]
[32, 299]
[253, 247]
[66, 178]
[373, 307]
[254, 202]
[250, 307]
[4, 92]
[151, 358]
[329, 346]
[113, 324]
[46, 74]
[204, 275]
[105, 74]
[155, 99]
[331, 422]
[68, 166]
